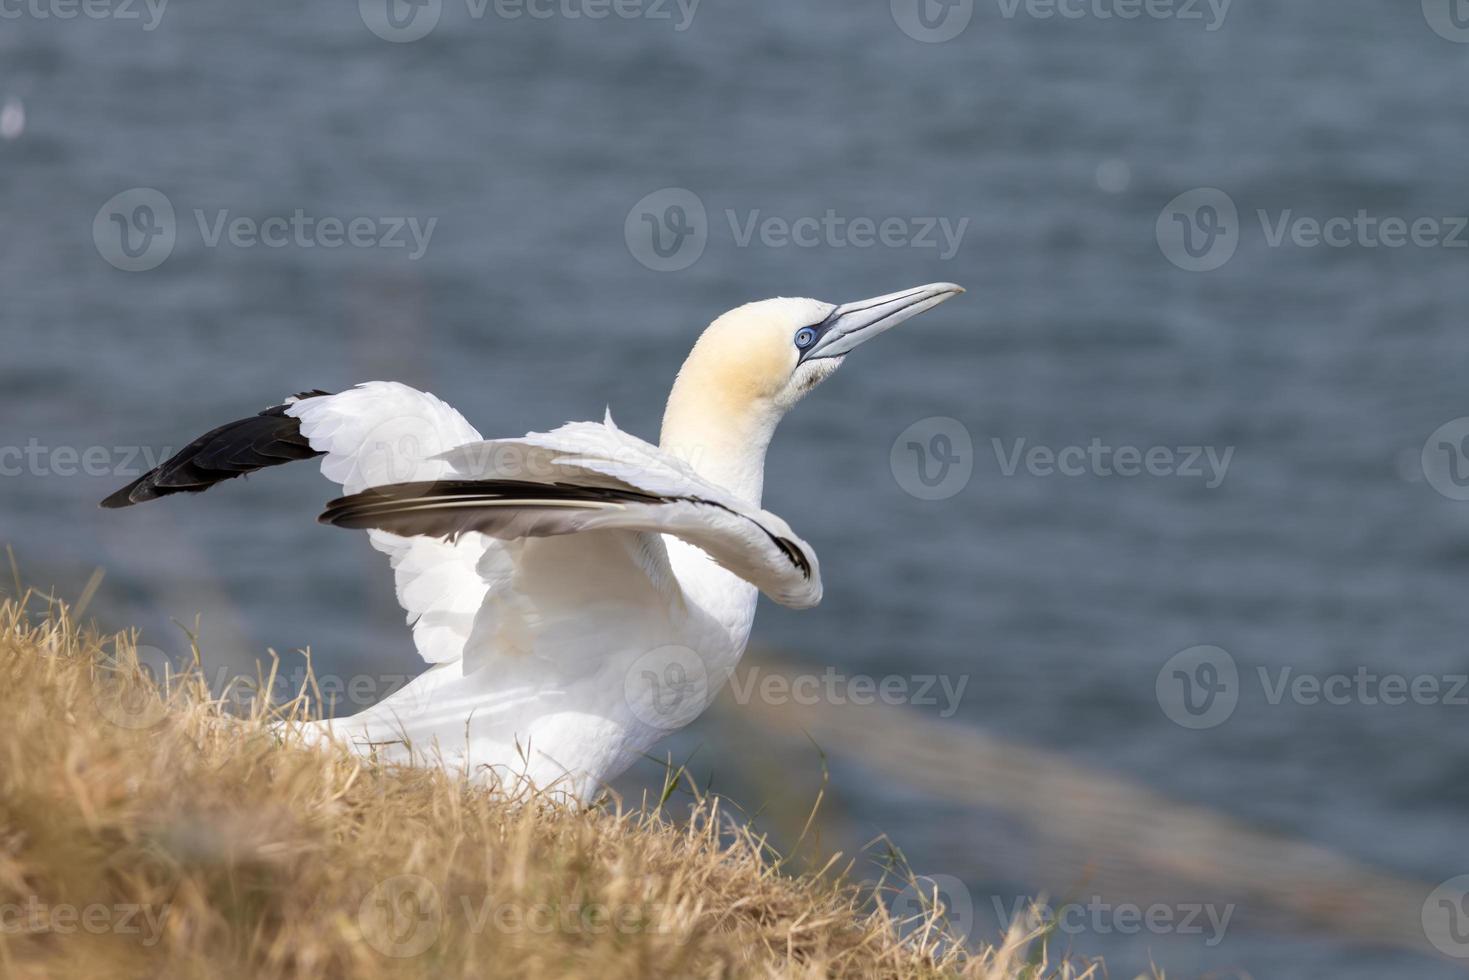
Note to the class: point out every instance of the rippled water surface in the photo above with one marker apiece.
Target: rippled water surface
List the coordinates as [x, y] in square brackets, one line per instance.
[1054, 143]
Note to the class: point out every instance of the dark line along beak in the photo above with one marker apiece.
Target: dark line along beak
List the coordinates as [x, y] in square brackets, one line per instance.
[852, 324]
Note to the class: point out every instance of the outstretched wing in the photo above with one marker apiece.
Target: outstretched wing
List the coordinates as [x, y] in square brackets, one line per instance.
[382, 432]
[376, 433]
[589, 477]
[445, 534]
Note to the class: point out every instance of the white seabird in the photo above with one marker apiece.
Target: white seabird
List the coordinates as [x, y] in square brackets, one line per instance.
[579, 593]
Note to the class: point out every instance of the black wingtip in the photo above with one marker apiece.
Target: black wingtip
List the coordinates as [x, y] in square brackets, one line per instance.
[127, 496]
[267, 439]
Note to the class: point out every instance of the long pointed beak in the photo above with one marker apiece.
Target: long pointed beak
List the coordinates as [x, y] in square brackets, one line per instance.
[852, 324]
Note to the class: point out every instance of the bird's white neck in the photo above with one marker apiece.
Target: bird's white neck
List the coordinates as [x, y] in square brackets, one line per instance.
[719, 431]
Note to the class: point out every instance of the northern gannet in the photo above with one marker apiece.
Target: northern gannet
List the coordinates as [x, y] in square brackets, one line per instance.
[578, 593]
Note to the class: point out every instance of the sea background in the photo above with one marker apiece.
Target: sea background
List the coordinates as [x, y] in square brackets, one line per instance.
[1058, 142]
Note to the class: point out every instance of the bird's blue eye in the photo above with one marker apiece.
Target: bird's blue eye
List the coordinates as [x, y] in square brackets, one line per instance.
[805, 337]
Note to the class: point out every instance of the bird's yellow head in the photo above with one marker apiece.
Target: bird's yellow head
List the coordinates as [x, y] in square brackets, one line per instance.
[754, 363]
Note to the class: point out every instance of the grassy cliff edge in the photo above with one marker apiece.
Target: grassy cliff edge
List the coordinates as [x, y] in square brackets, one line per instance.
[154, 834]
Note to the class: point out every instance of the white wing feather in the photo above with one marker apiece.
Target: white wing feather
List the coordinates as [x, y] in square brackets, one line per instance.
[384, 432]
[754, 544]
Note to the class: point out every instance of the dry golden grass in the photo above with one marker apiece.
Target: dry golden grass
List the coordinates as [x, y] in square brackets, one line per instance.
[155, 835]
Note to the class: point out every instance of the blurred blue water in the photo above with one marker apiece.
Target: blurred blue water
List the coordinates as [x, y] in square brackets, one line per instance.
[1059, 140]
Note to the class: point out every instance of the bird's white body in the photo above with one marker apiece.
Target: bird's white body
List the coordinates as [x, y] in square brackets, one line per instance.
[556, 661]
[616, 667]
[579, 593]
